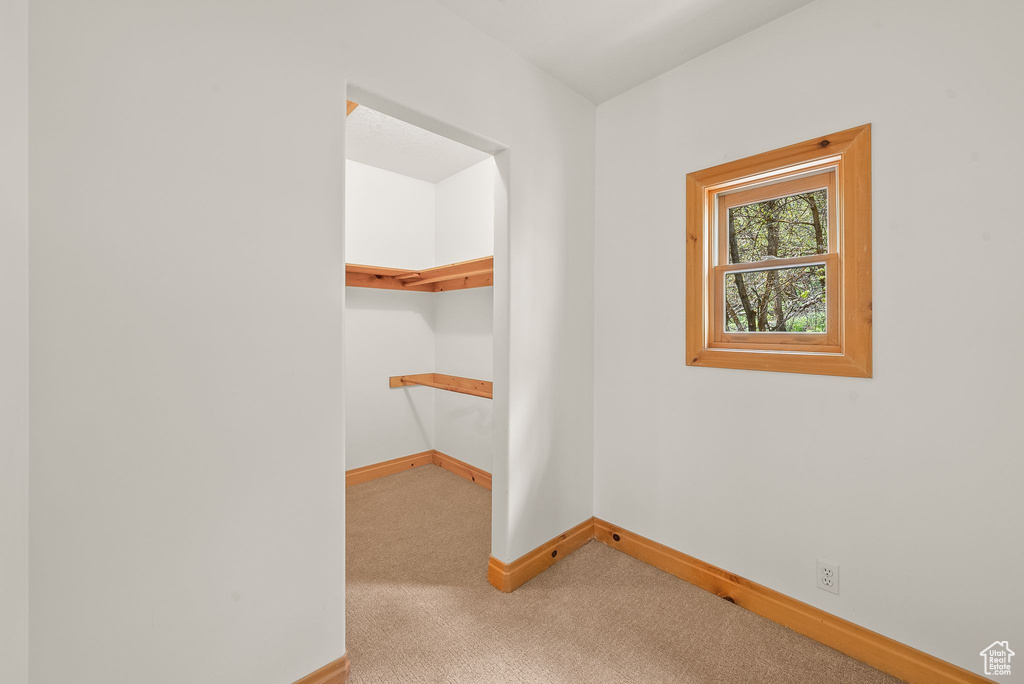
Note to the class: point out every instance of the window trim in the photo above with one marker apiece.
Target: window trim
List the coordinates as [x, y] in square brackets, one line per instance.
[846, 348]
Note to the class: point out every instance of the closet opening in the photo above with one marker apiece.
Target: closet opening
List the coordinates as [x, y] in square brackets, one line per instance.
[426, 351]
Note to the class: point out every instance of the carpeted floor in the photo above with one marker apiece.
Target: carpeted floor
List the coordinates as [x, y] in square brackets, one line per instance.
[420, 608]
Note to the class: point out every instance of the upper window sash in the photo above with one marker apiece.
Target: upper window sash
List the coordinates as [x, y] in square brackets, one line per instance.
[788, 186]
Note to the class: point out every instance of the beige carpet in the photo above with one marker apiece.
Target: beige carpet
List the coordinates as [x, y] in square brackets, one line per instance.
[420, 608]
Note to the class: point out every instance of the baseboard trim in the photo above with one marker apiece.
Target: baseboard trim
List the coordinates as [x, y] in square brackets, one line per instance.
[429, 457]
[332, 673]
[462, 469]
[395, 465]
[880, 652]
[508, 577]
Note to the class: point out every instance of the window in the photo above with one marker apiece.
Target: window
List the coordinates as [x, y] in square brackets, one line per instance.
[778, 259]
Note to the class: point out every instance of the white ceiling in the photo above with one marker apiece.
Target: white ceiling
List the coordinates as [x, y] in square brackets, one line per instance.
[602, 48]
[388, 143]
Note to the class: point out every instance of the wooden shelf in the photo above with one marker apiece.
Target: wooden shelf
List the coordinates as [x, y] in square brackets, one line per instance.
[460, 276]
[449, 383]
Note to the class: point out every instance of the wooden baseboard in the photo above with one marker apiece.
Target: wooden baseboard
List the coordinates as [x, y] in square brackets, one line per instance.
[395, 465]
[462, 469]
[332, 673]
[431, 456]
[509, 577]
[869, 647]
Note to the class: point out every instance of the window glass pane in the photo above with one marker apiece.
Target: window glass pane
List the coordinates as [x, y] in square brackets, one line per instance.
[791, 226]
[777, 300]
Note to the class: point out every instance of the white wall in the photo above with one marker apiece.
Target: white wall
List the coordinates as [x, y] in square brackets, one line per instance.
[13, 342]
[464, 214]
[465, 318]
[389, 218]
[187, 265]
[464, 347]
[187, 269]
[387, 333]
[389, 221]
[899, 478]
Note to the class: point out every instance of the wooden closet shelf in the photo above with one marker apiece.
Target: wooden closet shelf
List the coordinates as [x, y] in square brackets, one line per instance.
[450, 383]
[460, 276]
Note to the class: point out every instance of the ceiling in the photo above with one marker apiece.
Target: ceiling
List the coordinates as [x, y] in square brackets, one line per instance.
[602, 48]
[383, 141]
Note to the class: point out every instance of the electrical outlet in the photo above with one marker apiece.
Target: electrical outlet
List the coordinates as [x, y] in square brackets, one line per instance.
[828, 576]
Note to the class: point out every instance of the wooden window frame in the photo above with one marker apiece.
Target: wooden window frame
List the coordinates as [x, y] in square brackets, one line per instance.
[841, 162]
[823, 177]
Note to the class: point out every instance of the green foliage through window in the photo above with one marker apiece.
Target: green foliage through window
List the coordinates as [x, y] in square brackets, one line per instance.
[778, 300]
[786, 227]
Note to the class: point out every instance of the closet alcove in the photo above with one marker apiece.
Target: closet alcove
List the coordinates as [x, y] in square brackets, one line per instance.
[419, 300]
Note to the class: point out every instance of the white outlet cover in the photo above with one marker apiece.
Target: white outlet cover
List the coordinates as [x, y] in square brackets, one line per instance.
[828, 576]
